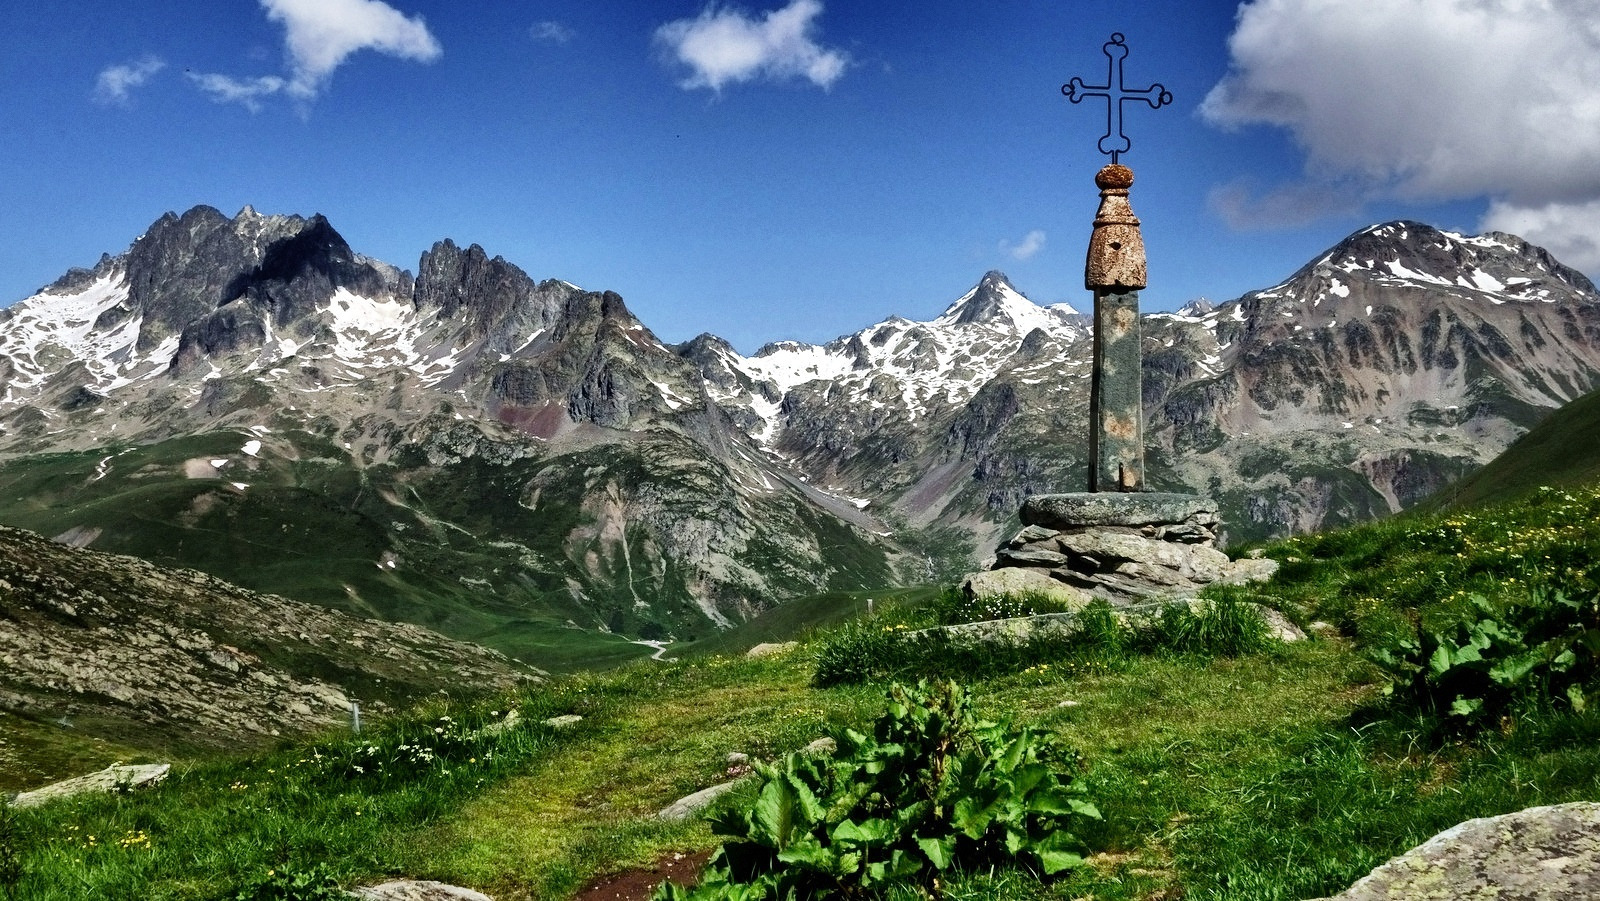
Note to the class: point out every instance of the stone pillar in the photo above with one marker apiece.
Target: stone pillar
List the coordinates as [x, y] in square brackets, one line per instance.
[1118, 540]
[1115, 271]
[1116, 438]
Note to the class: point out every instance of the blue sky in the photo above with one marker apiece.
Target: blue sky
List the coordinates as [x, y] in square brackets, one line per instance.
[799, 168]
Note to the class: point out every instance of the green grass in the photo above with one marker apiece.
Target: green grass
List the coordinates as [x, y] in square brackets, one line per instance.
[804, 617]
[1280, 774]
[1255, 777]
[1374, 579]
[35, 752]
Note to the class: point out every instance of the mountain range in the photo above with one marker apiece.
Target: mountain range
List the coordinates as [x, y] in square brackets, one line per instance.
[525, 464]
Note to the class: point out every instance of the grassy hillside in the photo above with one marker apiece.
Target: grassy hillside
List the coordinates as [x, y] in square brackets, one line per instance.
[1280, 774]
[1563, 450]
[476, 548]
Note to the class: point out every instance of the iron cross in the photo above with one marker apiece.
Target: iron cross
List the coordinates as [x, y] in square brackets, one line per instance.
[1115, 142]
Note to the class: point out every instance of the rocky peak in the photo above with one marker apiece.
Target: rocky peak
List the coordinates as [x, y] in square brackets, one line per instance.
[994, 303]
[491, 297]
[992, 298]
[1412, 252]
[705, 348]
[299, 272]
[77, 278]
[284, 271]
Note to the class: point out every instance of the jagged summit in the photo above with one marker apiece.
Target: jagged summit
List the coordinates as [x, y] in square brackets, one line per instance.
[989, 299]
[995, 300]
[895, 369]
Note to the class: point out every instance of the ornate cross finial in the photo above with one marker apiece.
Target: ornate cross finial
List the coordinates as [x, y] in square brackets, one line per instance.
[1115, 142]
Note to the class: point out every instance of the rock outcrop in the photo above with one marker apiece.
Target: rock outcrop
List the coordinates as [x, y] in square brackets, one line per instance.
[123, 648]
[1121, 547]
[1539, 854]
[121, 777]
[418, 890]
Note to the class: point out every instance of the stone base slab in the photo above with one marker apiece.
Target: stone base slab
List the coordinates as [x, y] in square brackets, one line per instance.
[1124, 547]
[113, 778]
[1109, 508]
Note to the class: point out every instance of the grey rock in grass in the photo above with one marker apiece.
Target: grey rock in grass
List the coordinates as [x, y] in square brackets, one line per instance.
[821, 746]
[112, 778]
[512, 720]
[1539, 854]
[1279, 626]
[689, 805]
[1250, 569]
[1022, 630]
[422, 890]
[1022, 580]
[771, 649]
[565, 721]
[1015, 631]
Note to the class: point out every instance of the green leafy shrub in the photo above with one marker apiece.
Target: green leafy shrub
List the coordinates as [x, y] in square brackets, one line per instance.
[285, 883]
[858, 651]
[1491, 658]
[929, 792]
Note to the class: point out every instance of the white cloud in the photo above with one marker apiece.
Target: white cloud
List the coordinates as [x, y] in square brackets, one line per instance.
[726, 45]
[1427, 99]
[244, 91]
[115, 83]
[321, 34]
[1031, 243]
[1570, 231]
[551, 32]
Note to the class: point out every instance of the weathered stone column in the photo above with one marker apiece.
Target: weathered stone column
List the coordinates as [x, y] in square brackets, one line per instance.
[1118, 540]
[1115, 272]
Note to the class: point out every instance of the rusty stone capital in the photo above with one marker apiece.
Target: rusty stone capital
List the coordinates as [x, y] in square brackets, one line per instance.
[1116, 249]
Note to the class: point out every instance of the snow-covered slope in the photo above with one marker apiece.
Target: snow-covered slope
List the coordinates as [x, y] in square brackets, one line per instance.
[901, 368]
[90, 325]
